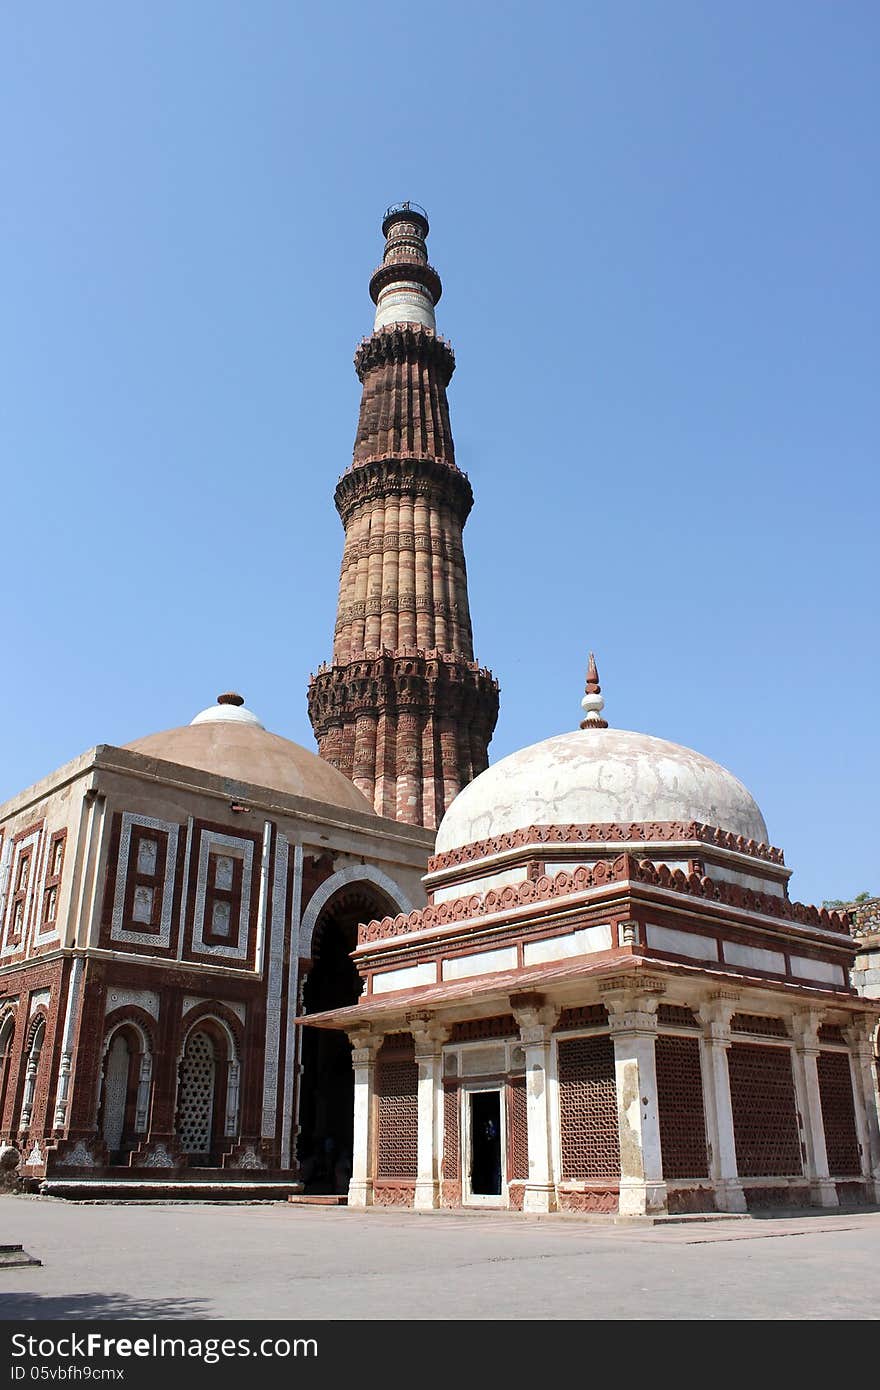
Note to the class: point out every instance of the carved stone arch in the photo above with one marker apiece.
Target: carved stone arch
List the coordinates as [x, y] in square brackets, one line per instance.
[35, 1039]
[38, 1019]
[8, 1028]
[125, 1084]
[208, 1085]
[330, 979]
[228, 1023]
[139, 1020]
[353, 873]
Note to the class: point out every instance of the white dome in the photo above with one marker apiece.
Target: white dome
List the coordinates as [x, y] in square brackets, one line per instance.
[595, 776]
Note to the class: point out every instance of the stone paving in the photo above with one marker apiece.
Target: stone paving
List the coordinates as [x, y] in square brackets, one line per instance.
[277, 1261]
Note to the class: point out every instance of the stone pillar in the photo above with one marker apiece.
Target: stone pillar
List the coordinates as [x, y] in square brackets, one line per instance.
[715, 1016]
[858, 1036]
[365, 1045]
[632, 1018]
[536, 1021]
[804, 1026]
[429, 1037]
[142, 1104]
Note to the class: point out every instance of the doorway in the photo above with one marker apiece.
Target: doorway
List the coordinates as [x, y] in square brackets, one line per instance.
[484, 1146]
[326, 1092]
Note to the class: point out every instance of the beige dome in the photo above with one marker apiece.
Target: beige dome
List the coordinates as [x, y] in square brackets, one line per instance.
[599, 775]
[230, 742]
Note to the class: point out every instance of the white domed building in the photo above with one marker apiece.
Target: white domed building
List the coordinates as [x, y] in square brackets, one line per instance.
[166, 908]
[609, 1003]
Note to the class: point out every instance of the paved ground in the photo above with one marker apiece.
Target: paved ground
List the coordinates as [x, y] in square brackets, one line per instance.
[278, 1261]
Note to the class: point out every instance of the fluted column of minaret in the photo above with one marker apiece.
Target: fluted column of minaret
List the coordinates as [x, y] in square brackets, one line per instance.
[404, 710]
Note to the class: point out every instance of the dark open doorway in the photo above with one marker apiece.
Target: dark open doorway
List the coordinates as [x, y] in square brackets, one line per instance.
[485, 1126]
[326, 1095]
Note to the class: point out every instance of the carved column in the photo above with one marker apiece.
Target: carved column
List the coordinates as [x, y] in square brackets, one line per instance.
[142, 1104]
[429, 1037]
[536, 1022]
[858, 1036]
[804, 1027]
[632, 1019]
[715, 1016]
[365, 1045]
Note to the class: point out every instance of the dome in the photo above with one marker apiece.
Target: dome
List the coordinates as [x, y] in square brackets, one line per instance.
[229, 741]
[597, 775]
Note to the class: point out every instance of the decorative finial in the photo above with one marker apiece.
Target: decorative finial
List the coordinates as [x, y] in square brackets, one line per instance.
[230, 697]
[592, 703]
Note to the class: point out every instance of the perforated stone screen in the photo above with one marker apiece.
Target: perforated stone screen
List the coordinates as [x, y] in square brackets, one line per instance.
[197, 1095]
[588, 1109]
[397, 1079]
[838, 1114]
[517, 1130]
[680, 1099]
[764, 1114]
[451, 1140]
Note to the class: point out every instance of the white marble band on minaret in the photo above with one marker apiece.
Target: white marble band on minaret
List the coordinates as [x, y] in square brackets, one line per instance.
[405, 288]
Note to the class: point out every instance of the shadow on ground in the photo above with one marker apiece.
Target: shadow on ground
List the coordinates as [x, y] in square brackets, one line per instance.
[28, 1307]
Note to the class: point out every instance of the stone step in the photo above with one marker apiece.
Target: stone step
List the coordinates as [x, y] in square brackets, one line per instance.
[13, 1256]
[168, 1190]
[299, 1199]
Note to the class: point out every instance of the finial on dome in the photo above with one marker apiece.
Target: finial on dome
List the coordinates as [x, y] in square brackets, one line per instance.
[230, 697]
[592, 703]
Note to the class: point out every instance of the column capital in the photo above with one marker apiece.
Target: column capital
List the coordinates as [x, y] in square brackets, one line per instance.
[858, 1034]
[715, 1014]
[428, 1033]
[803, 1025]
[535, 1016]
[365, 1044]
[632, 1002]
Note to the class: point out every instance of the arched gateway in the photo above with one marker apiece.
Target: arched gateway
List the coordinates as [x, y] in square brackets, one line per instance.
[329, 980]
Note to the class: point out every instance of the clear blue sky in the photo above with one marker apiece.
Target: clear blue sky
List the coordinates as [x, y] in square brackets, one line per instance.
[657, 226]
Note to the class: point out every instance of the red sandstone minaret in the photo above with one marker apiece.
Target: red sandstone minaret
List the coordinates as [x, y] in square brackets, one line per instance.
[404, 710]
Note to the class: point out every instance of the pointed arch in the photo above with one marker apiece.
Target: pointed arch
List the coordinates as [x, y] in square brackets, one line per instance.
[353, 873]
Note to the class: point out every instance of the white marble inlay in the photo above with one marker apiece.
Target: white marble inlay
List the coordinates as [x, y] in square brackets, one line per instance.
[234, 1006]
[483, 1061]
[274, 978]
[480, 885]
[754, 957]
[32, 843]
[407, 978]
[577, 943]
[118, 932]
[480, 963]
[146, 999]
[38, 998]
[682, 943]
[237, 949]
[807, 969]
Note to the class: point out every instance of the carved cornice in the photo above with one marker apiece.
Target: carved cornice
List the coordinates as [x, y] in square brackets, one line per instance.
[607, 832]
[622, 869]
[374, 479]
[405, 342]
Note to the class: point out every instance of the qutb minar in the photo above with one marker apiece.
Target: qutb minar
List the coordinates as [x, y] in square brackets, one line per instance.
[404, 710]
